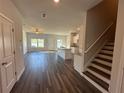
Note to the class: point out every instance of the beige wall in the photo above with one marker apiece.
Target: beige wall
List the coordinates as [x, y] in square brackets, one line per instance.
[98, 19]
[9, 10]
[117, 68]
[50, 41]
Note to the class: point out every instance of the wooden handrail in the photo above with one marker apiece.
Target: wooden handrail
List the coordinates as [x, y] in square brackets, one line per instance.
[86, 51]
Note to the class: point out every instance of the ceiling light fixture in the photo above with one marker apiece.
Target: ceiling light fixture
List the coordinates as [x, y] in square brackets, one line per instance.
[36, 30]
[56, 1]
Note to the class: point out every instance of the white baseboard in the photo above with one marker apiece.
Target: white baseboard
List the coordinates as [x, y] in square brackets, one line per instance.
[19, 76]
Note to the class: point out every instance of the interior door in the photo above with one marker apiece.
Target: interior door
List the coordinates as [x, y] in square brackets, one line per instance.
[8, 78]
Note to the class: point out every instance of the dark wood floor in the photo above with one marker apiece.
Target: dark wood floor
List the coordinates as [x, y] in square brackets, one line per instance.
[44, 74]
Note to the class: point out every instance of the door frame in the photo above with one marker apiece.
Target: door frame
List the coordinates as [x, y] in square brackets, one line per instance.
[14, 45]
[121, 69]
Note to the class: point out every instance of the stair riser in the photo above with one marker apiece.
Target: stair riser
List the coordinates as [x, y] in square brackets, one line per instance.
[108, 48]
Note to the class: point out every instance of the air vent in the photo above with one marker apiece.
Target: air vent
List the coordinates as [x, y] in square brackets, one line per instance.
[43, 15]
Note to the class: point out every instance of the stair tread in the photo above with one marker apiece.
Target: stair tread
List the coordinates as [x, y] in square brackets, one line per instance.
[103, 62]
[101, 68]
[101, 65]
[107, 60]
[106, 52]
[99, 72]
[105, 56]
[97, 80]
[110, 48]
[109, 45]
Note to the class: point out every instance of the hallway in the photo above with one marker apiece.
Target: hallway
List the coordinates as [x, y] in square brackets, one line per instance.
[44, 74]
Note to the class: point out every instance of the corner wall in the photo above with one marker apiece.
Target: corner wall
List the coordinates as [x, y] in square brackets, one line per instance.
[118, 59]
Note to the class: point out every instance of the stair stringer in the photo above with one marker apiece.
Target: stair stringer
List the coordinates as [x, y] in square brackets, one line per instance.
[92, 58]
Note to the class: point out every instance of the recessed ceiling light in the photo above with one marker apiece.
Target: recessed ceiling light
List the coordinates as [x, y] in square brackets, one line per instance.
[56, 1]
[78, 28]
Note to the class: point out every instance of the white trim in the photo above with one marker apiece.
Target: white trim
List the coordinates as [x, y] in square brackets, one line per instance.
[99, 38]
[5, 17]
[99, 76]
[95, 84]
[118, 87]
[101, 68]
[19, 76]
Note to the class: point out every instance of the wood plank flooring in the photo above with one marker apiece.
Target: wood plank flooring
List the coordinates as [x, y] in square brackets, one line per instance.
[45, 74]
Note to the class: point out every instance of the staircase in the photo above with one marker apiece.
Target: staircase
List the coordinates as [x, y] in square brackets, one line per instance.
[99, 71]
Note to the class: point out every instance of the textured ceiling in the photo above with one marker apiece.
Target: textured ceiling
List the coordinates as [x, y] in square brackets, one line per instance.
[61, 18]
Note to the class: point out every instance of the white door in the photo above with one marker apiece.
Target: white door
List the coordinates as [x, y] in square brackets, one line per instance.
[8, 78]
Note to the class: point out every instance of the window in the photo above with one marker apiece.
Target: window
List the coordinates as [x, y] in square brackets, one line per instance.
[33, 42]
[37, 43]
[59, 43]
[40, 42]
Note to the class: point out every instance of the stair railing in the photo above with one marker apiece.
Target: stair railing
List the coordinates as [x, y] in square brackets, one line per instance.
[93, 50]
[91, 46]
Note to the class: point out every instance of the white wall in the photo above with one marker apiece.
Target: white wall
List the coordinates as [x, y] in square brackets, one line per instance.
[50, 41]
[82, 34]
[68, 41]
[24, 42]
[9, 10]
[79, 58]
[117, 68]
